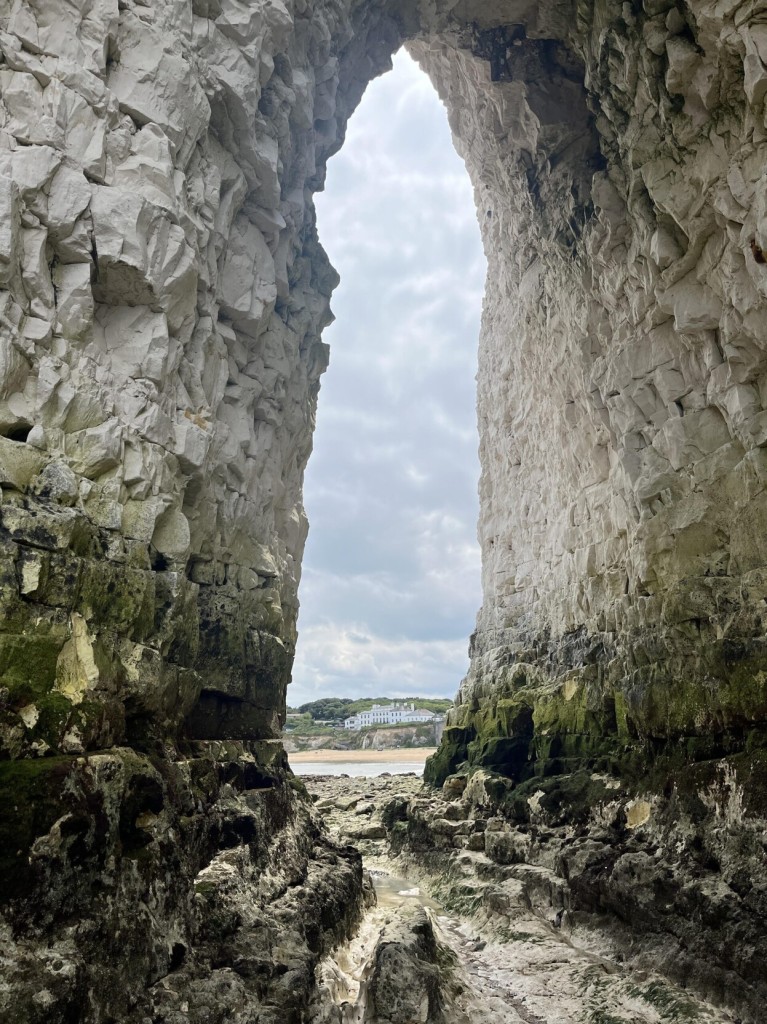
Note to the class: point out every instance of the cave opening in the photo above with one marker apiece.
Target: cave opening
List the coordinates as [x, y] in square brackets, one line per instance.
[391, 578]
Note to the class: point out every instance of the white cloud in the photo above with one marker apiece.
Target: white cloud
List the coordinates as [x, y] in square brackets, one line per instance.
[354, 662]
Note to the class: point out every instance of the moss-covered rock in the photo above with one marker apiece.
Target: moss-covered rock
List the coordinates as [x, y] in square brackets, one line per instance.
[452, 751]
[635, 726]
[28, 662]
[118, 597]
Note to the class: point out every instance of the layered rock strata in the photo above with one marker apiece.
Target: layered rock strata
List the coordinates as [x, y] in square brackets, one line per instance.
[162, 297]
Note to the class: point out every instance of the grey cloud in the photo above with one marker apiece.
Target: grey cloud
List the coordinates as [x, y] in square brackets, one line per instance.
[391, 581]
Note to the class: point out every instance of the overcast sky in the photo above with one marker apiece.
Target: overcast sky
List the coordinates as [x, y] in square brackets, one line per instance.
[390, 586]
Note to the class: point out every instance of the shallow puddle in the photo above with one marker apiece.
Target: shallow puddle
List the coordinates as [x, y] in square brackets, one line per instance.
[393, 892]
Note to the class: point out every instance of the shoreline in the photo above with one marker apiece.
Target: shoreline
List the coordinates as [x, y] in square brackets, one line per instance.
[397, 754]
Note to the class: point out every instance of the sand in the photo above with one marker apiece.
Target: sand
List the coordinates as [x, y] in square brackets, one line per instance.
[357, 756]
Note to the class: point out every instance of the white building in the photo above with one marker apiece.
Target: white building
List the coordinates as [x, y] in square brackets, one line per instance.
[389, 714]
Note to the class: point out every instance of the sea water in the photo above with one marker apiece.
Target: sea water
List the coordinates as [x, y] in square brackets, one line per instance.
[366, 768]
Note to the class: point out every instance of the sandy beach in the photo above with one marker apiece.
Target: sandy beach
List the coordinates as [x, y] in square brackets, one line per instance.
[360, 756]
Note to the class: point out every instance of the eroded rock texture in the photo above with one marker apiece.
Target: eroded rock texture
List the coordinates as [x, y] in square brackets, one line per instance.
[138, 888]
[162, 297]
[620, 375]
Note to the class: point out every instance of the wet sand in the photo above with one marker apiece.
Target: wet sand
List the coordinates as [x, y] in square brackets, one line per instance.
[399, 754]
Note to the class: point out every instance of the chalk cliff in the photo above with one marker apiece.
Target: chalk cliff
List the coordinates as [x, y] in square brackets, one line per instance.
[621, 361]
[162, 298]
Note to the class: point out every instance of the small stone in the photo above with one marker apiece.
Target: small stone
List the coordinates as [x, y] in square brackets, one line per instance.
[346, 803]
[59, 482]
[171, 534]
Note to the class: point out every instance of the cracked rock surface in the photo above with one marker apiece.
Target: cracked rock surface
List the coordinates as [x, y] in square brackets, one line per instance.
[479, 936]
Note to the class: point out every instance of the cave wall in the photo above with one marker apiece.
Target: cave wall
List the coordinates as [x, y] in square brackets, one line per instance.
[615, 152]
[163, 295]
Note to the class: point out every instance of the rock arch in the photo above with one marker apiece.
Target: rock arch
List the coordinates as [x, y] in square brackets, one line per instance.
[165, 295]
[162, 297]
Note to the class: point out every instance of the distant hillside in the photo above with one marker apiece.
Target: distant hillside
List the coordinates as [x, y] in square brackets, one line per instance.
[382, 737]
[336, 709]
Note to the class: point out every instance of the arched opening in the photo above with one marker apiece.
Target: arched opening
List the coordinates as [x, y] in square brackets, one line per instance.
[390, 582]
[198, 294]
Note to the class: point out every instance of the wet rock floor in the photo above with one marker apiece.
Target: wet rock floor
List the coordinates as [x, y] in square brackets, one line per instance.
[504, 958]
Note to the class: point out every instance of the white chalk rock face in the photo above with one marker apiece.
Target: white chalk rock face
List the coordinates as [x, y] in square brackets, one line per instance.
[621, 369]
[163, 294]
[155, 166]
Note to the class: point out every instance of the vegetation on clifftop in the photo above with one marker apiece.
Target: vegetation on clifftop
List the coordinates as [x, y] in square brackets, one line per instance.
[336, 709]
